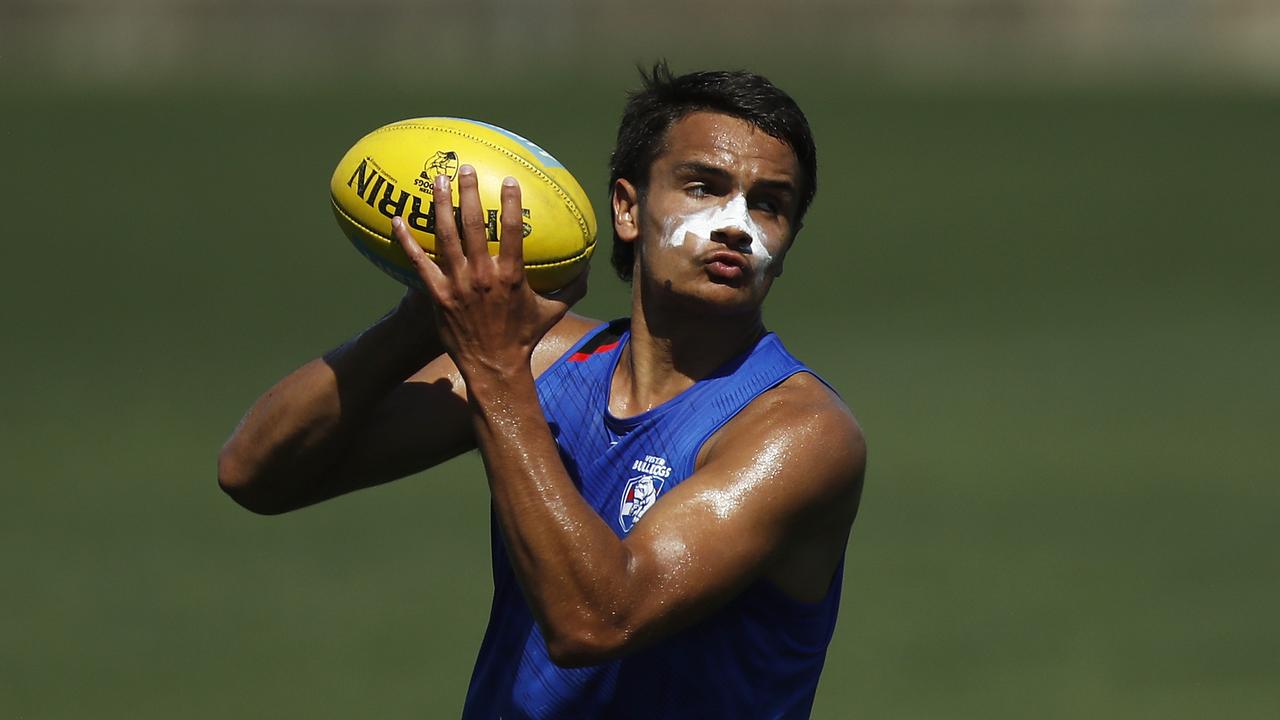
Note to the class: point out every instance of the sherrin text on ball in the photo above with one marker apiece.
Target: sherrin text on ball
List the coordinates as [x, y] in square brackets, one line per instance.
[392, 171]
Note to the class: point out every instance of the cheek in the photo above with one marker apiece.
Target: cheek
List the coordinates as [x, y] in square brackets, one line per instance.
[692, 231]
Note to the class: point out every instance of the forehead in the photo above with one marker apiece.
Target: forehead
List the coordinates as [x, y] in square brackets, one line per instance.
[727, 141]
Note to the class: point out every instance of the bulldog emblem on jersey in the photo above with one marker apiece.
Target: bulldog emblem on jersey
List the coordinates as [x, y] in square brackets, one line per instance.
[642, 490]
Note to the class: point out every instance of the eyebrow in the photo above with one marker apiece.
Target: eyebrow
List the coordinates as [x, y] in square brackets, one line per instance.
[694, 167]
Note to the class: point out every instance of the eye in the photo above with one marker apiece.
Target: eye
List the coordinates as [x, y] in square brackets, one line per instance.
[696, 190]
[769, 205]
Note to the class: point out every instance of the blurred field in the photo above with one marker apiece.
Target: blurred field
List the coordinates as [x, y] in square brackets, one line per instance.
[1054, 312]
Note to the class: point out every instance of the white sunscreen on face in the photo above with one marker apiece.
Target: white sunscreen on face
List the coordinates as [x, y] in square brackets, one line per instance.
[698, 227]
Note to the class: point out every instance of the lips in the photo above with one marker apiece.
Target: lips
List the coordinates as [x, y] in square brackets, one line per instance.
[726, 265]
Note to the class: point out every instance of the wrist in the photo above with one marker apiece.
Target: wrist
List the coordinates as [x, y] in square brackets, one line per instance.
[492, 389]
[390, 350]
[411, 326]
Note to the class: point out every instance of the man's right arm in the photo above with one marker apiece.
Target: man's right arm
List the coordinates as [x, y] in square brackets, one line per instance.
[384, 405]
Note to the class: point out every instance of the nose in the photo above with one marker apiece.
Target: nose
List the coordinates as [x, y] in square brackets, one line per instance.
[734, 237]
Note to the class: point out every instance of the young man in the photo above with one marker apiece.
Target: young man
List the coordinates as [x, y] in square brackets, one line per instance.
[672, 494]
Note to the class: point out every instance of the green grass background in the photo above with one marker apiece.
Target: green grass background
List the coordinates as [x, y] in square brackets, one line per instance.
[1054, 310]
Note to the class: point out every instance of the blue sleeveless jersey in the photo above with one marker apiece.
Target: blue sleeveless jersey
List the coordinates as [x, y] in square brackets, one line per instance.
[757, 657]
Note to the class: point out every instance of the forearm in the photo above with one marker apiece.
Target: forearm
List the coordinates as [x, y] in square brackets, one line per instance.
[571, 566]
[299, 429]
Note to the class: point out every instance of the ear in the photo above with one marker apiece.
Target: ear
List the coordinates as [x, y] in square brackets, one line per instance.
[626, 210]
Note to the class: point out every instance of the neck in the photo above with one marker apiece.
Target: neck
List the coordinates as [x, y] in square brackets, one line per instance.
[671, 348]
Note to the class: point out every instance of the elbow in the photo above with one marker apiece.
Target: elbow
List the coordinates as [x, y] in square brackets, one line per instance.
[239, 484]
[587, 643]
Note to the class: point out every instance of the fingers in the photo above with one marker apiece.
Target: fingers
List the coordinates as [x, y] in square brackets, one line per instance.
[511, 239]
[448, 249]
[474, 243]
[431, 275]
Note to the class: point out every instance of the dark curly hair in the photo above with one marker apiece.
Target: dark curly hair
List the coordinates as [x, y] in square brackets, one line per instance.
[666, 98]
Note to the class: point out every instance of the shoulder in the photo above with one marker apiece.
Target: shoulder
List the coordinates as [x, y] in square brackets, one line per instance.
[802, 401]
[562, 336]
[801, 411]
[804, 425]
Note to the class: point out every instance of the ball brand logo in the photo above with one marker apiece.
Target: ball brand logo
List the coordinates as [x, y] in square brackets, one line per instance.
[642, 490]
[378, 190]
[444, 162]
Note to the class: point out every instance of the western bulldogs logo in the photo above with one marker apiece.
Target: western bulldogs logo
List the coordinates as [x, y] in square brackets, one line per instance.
[642, 490]
[444, 162]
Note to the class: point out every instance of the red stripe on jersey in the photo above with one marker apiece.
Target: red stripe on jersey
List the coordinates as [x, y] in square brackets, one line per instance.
[580, 356]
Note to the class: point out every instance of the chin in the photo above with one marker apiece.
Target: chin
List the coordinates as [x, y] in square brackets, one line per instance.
[722, 299]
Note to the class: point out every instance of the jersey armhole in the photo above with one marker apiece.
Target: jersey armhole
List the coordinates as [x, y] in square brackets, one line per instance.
[697, 448]
[592, 340]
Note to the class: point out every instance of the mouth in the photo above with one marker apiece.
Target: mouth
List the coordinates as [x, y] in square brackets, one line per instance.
[725, 265]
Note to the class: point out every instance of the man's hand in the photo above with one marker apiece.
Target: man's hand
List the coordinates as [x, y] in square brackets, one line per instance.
[489, 318]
